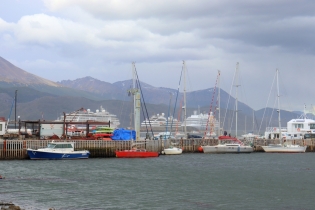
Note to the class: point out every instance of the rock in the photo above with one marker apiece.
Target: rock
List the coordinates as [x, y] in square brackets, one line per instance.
[9, 206]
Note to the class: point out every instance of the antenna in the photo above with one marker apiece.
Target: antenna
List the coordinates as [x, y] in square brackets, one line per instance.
[304, 111]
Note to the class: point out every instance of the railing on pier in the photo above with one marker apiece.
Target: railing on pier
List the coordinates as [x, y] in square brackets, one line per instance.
[16, 149]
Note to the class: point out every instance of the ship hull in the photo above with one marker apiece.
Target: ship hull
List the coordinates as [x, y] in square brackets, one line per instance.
[227, 149]
[43, 155]
[281, 149]
[136, 154]
[173, 151]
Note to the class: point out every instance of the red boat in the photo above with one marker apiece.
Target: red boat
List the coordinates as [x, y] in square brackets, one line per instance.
[137, 153]
[102, 136]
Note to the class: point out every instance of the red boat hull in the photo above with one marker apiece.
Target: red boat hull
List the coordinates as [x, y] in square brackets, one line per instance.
[136, 154]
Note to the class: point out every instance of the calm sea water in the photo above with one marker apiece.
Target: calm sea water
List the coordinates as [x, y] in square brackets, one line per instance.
[188, 181]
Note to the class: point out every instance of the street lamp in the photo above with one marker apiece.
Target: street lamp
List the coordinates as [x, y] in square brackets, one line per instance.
[19, 124]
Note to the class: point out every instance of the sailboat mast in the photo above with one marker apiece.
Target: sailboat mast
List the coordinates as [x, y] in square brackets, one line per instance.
[133, 87]
[236, 99]
[253, 121]
[185, 129]
[278, 95]
[245, 124]
[219, 133]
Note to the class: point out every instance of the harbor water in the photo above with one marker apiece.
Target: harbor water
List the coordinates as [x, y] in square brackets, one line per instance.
[187, 181]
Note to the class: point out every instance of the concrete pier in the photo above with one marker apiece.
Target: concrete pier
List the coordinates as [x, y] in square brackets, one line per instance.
[16, 149]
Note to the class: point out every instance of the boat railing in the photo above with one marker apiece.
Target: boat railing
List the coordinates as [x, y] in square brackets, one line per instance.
[275, 129]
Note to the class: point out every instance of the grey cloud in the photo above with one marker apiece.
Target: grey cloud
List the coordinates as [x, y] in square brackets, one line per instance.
[100, 40]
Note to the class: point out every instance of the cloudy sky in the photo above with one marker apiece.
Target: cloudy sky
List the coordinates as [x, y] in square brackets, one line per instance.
[71, 39]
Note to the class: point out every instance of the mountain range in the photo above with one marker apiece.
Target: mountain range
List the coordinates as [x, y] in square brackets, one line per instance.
[39, 98]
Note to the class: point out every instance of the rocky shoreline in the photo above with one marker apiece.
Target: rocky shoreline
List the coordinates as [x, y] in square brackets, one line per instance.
[9, 206]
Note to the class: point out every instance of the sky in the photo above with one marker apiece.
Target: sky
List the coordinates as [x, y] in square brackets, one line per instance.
[61, 40]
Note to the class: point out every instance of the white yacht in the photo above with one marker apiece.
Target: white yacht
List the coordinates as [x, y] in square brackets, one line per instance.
[292, 125]
[100, 115]
[173, 151]
[284, 148]
[228, 145]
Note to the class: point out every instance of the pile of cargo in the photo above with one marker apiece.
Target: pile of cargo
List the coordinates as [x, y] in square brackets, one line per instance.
[103, 133]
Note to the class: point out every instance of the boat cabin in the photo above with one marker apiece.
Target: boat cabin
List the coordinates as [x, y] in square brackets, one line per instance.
[60, 145]
[301, 125]
[2, 127]
[309, 136]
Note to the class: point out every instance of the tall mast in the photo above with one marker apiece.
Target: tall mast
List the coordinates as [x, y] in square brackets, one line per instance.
[185, 129]
[219, 103]
[278, 95]
[253, 121]
[245, 124]
[236, 99]
[136, 102]
[133, 88]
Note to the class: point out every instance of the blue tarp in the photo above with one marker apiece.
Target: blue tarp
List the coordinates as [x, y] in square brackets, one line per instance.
[122, 134]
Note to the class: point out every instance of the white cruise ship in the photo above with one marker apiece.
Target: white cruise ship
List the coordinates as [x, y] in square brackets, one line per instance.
[159, 123]
[100, 115]
[200, 122]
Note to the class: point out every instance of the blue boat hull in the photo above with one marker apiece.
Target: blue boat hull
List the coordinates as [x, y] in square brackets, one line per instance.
[39, 155]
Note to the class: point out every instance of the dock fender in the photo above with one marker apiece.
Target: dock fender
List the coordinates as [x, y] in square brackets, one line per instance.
[200, 149]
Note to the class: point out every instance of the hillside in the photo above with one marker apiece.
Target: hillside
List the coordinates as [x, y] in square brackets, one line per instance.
[13, 78]
[40, 98]
[16, 76]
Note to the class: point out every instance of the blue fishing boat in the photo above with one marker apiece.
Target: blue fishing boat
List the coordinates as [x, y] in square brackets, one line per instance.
[57, 151]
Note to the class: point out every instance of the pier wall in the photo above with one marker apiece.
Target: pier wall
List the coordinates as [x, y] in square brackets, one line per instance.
[16, 149]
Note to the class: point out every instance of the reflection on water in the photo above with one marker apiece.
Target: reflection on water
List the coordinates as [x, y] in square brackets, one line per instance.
[188, 181]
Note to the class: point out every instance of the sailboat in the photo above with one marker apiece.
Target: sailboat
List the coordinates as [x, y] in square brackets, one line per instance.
[172, 149]
[283, 147]
[134, 152]
[230, 145]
